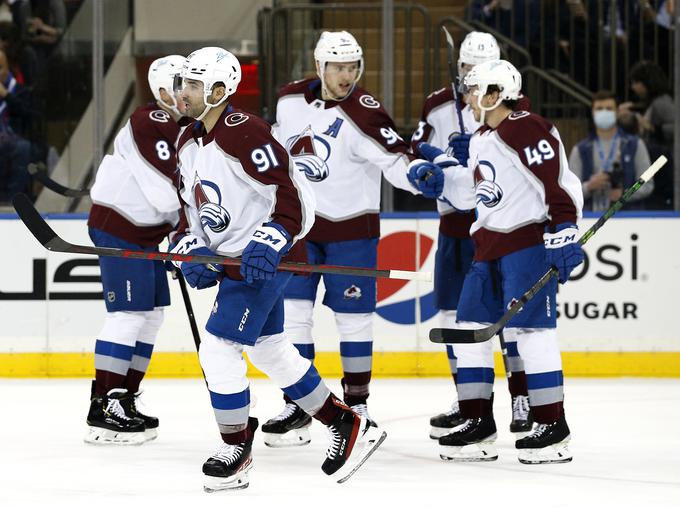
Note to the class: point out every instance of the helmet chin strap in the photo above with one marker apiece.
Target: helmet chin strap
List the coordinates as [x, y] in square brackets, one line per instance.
[208, 107]
[483, 109]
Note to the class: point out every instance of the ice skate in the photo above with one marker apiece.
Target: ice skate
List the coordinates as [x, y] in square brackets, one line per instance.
[353, 441]
[547, 443]
[129, 404]
[288, 429]
[474, 441]
[108, 423]
[228, 467]
[522, 418]
[444, 423]
[362, 410]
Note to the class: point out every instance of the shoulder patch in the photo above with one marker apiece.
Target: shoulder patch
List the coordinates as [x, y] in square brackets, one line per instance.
[516, 115]
[160, 116]
[436, 92]
[369, 102]
[234, 119]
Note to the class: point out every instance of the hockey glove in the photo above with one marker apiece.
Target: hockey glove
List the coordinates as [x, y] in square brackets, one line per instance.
[427, 177]
[563, 251]
[199, 275]
[459, 147]
[263, 254]
[437, 156]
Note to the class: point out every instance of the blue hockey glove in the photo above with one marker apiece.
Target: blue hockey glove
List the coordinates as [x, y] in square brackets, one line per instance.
[263, 254]
[199, 275]
[437, 156]
[427, 177]
[563, 250]
[460, 146]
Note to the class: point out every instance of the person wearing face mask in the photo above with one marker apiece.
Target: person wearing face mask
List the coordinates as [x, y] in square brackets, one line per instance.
[609, 159]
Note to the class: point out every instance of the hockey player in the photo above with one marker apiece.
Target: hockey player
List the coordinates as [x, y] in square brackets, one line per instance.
[344, 140]
[134, 205]
[246, 198]
[445, 122]
[527, 203]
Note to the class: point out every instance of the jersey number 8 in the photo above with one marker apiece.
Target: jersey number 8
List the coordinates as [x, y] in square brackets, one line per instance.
[163, 150]
[538, 156]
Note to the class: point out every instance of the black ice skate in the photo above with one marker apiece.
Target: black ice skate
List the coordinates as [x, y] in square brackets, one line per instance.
[522, 418]
[353, 441]
[547, 443]
[288, 429]
[474, 441]
[228, 467]
[129, 404]
[445, 422]
[108, 424]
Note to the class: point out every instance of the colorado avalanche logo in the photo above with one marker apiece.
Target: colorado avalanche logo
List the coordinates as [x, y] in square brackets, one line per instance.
[352, 292]
[212, 215]
[486, 189]
[310, 153]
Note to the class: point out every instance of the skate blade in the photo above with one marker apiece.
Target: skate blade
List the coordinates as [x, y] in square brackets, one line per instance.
[371, 441]
[557, 453]
[481, 451]
[238, 481]
[293, 438]
[150, 434]
[102, 436]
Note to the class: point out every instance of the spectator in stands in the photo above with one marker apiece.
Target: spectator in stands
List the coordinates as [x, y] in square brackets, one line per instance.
[609, 159]
[22, 57]
[15, 151]
[655, 113]
[46, 22]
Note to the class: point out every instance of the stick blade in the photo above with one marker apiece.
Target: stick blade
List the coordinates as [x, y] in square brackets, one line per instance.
[446, 335]
[449, 39]
[32, 220]
[421, 276]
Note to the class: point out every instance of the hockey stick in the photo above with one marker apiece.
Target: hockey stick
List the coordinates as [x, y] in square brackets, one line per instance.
[51, 241]
[189, 308]
[453, 74]
[39, 172]
[443, 335]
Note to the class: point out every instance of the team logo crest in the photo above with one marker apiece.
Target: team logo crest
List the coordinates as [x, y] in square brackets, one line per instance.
[369, 102]
[487, 190]
[159, 116]
[310, 153]
[352, 292]
[212, 214]
[111, 296]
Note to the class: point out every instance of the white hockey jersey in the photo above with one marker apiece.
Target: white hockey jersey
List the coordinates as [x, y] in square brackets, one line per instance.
[438, 122]
[343, 147]
[238, 177]
[519, 178]
[134, 196]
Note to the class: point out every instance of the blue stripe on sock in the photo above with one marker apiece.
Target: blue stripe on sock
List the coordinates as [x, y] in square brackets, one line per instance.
[356, 349]
[475, 375]
[305, 385]
[306, 350]
[116, 350]
[512, 349]
[143, 350]
[545, 380]
[449, 352]
[230, 401]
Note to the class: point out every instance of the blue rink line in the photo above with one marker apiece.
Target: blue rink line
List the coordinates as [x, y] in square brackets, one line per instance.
[398, 215]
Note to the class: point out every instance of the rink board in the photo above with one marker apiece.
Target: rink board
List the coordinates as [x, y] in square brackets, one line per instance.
[615, 317]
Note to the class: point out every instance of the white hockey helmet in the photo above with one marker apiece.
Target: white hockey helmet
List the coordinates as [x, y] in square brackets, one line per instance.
[478, 47]
[212, 65]
[500, 73]
[339, 47]
[161, 74]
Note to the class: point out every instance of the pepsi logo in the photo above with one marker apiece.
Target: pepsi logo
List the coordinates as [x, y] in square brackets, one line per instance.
[398, 251]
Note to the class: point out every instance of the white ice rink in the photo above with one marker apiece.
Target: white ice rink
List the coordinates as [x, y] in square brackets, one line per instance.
[625, 441]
